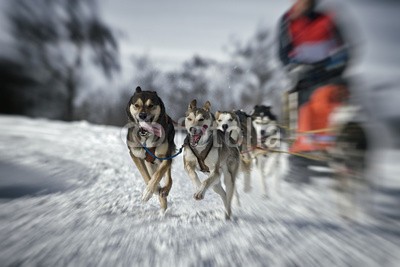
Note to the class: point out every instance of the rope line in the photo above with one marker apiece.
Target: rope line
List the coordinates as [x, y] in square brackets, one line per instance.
[166, 158]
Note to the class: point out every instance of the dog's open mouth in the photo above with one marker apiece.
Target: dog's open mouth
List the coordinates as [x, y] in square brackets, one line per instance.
[196, 134]
[195, 138]
[143, 132]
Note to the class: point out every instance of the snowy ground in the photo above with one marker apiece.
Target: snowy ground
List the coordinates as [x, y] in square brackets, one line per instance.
[70, 195]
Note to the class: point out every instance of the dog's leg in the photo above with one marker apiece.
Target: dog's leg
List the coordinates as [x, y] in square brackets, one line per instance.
[271, 165]
[210, 181]
[261, 162]
[229, 193]
[229, 179]
[278, 173]
[152, 186]
[164, 191]
[142, 168]
[163, 203]
[151, 168]
[246, 169]
[190, 169]
[237, 197]
[236, 193]
[221, 192]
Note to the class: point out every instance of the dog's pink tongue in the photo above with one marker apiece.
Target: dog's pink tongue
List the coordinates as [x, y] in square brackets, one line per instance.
[152, 128]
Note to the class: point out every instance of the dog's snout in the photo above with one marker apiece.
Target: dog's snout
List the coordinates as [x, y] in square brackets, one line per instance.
[224, 127]
[263, 132]
[142, 115]
[195, 130]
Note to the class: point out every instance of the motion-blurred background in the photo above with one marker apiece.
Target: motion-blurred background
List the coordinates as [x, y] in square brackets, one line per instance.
[80, 60]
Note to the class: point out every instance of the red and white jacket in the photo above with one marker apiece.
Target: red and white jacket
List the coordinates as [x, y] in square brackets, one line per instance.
[308, 39]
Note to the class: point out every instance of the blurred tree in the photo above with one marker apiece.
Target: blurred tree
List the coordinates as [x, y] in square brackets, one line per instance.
[59, 40]
[255, 57]
[14, 79]
[145, 73]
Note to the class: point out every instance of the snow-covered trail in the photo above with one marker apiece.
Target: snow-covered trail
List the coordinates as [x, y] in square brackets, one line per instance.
[76, 202]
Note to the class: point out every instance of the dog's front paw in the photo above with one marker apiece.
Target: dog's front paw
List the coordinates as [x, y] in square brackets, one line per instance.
[148, 192]
[199, 195]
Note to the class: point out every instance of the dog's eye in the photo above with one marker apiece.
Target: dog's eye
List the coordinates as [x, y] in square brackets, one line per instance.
[150, 106]
[189, 119]
[137, 106]
[230, 120]
[219, 120]
[202, 119]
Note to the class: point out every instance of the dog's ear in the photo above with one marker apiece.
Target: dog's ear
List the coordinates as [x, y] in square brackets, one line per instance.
[207, 106]
[217, 114]
[193, 104]
[138, 89]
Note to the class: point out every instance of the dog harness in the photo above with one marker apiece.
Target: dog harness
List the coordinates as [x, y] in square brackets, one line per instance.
[149, 155]
[200, 156]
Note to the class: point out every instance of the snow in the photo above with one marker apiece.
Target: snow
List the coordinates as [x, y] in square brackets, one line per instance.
[83, 208]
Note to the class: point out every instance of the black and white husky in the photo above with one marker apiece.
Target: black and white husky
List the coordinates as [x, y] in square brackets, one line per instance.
[268, 135]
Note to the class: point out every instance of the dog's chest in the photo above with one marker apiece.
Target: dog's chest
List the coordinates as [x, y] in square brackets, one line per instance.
[138, 152]
[211, 160]
[138, 144]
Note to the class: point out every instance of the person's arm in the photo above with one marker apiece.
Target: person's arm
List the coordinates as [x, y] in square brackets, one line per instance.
[340, 38]
[340, 59]
[285, 42]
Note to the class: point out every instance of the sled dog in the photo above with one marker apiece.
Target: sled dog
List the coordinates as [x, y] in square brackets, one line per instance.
[268, 137]
[151, 138]
[207, 149]
[238, 125]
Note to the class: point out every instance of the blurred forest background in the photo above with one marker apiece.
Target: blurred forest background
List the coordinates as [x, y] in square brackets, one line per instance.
[64, 63]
